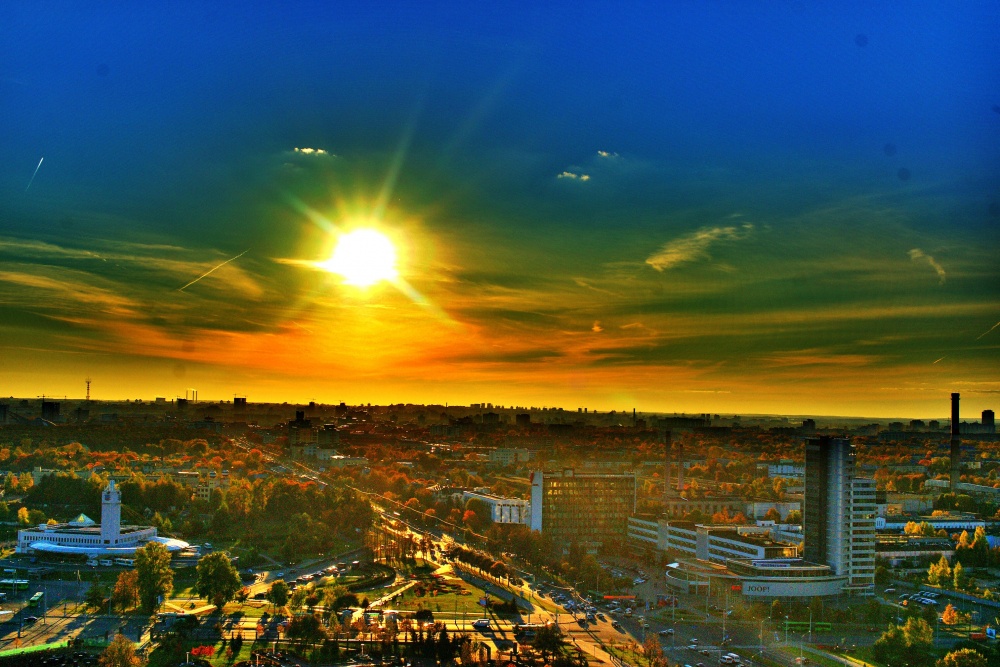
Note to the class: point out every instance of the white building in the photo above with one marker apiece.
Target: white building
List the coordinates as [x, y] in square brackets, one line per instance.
[503, 510]
[83, 537]
[506, 456]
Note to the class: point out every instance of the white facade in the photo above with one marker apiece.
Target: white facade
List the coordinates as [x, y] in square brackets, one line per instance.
[503, 510]
[82, 537]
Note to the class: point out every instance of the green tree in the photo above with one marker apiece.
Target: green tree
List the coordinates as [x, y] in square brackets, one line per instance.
[218, 579]
[548, 640]
[96, 595]
[278, 593]
[960, 580]
[963, 657]
[120, 653]
[918, 633]
[155, 577]
[795, 516]
[307, 627]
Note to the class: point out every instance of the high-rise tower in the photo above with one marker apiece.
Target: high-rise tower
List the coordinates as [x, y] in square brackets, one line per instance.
[956, 444]
[111, 514]
[839, 513]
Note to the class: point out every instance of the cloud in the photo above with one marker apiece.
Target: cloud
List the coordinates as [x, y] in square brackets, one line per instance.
[574, 176]
[917, 254]
[311, 151]
[597, 328]
[695, 246]
[608, 155]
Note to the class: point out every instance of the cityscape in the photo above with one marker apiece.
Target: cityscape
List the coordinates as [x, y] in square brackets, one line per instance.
[434, 335]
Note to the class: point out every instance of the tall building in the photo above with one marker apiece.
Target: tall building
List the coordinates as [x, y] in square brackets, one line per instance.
[587, 508]
[839, 517]
[956, 444]
[989, 421]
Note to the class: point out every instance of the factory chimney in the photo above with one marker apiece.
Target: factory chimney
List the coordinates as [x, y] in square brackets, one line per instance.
[956, 443]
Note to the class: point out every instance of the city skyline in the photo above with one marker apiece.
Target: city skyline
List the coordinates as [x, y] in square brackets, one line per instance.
[748, 210]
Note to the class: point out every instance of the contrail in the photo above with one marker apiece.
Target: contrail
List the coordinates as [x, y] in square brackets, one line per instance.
[214, 268]
[34, 174]
[937, 360]
[990, 329]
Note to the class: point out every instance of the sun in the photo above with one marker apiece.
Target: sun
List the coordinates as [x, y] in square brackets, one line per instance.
[363, 257]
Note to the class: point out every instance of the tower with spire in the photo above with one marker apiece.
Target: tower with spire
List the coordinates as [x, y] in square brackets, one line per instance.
[111, 514]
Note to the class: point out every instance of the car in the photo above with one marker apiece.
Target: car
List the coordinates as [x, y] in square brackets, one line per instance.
[889, 591]
[705, 651]
[481, 624]
[616, 625]
[667, 632]
[694, 640]
[601, 617]
[30, 619]
[693, 647]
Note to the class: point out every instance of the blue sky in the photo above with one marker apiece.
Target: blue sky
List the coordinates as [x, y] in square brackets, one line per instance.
[707, 206]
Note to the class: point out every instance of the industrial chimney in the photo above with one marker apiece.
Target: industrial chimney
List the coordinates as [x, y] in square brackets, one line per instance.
[956, 444]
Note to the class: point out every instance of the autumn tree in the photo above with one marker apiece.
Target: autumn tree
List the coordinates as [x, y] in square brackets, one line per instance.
[950, 615]
[120, 653]
[963, 657]
[939, 574]
[125, 593]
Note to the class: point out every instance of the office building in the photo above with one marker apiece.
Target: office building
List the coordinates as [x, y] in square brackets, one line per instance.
[839, 517]
[589, 509]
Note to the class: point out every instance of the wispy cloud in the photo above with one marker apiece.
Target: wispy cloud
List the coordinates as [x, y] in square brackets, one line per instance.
[597, 328]
[608, 155]
[695, 246]
[917, 254]
[573, 176]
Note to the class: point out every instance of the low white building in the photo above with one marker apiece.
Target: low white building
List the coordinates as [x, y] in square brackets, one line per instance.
[83, 537]
[503, 510]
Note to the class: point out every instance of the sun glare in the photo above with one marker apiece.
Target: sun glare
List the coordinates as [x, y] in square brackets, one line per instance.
[363, 257]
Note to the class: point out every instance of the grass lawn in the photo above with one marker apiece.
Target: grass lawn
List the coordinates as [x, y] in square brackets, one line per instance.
[445, 594]
[162, 657]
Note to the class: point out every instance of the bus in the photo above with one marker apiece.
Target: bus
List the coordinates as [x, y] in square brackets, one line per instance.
[125, 562]
[36, 599]
[804, 626]
[16, 584]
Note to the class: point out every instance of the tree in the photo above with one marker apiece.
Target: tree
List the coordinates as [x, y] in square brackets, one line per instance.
[218, 580]
[939, 574]
[960, 580]
[918, 633]
[773, 515]
[125, 593]
[120, 653]
[155, 577]
[963, 657]
[96, 595]
[548, 640]
[950, 615]
[795, 516]
[279, 593]
[307, 627]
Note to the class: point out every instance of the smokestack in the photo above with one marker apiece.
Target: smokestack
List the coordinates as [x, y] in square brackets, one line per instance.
[679, 461]
[956, 443]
